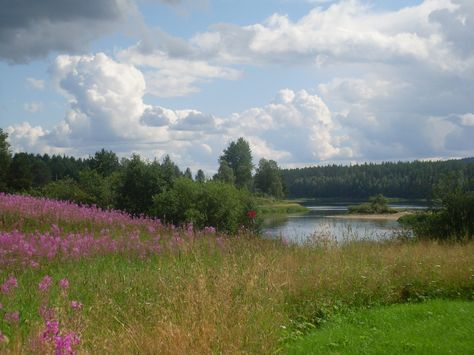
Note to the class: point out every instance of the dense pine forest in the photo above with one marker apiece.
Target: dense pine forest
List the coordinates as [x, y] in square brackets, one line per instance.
[415, 180]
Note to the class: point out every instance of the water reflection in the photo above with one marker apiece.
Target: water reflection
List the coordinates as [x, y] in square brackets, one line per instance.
[318, 224]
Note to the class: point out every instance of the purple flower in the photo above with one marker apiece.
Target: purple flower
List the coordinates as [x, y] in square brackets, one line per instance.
[45, 284]
[65, 344]
[9, 284]
[51, 330]
[47, 313]
[76, 305]
[64, 284]
[12, 317]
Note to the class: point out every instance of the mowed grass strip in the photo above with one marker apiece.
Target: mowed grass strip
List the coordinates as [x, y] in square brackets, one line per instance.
[433, 327]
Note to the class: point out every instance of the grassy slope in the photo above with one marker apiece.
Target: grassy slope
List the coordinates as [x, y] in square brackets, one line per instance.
[434, 327]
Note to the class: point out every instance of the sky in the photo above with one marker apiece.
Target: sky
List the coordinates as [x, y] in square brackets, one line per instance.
[306, 82]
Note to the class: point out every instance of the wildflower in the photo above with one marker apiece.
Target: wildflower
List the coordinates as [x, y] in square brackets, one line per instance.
[51, 330]
[2, 337]
[64, 284]
[64, 344]
[12, 317]
[251, 214]
[46, 313]
[45, 284]
[9, 284]
[76, 305]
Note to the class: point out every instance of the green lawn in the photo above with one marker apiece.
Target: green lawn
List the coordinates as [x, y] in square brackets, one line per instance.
[434, 327]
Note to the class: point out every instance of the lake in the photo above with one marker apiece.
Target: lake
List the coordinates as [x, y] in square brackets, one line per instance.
[317, 223]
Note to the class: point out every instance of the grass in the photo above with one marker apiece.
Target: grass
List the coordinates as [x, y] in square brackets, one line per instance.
[433, 327]
[239, 294]
[251, 297]
[267, 206]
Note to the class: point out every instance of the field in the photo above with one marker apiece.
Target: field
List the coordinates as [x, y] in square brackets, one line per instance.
[81, 279]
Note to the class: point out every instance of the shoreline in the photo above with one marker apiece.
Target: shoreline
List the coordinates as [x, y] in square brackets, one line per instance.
[376, 217]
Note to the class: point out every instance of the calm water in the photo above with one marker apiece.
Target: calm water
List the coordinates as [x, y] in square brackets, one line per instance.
[299, 228]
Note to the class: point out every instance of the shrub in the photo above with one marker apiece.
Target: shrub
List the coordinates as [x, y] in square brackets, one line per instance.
[212, 203]
[454, 220]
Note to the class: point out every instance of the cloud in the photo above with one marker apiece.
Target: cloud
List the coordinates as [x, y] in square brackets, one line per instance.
[408, 95]
[31, 29]
[35, 83]
[349, 32]
[106, 109]
[33, 107]
[168, 76]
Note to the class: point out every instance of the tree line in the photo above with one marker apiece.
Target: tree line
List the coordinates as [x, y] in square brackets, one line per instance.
[154, 188]
[414, 180]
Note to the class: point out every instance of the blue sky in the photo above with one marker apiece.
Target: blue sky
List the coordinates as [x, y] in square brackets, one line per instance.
[305, 81]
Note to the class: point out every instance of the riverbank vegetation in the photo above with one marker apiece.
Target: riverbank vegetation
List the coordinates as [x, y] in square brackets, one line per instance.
[270, 206]
[377, 205]
[103, 281]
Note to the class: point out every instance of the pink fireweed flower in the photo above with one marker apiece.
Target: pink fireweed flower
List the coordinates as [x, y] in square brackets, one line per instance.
[64, 344]
[51, 329]
[8, 285]
[45, 284]
[76, 305]
[47, 313]
[2, 337]
[64, 284]
[12, 317]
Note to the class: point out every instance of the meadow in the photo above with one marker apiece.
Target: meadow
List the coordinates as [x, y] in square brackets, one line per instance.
[81, 279]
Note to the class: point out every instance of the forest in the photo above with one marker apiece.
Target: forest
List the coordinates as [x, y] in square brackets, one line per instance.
[411, 180]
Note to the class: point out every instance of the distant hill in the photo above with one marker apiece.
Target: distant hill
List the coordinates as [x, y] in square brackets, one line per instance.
[393, 179]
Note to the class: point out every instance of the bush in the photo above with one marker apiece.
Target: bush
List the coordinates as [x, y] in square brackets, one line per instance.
[65, 190]
[454, 220]
[212, 203]
[377, 204]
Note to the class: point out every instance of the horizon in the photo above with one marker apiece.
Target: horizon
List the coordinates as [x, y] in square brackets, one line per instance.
[306, 82]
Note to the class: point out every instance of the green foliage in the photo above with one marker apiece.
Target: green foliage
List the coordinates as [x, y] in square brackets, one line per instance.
[377, 204]
[105, 162]
[5, 160]
[268, 178]
[225, 173]
[455, 217]
[100, 188]
[239, 158]
[67, 190]
[20, 175]
[200, 177]
[403, 179]
[454, 220]
[188, 174]
[269, 206]
[212, 203]
[138, 183]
